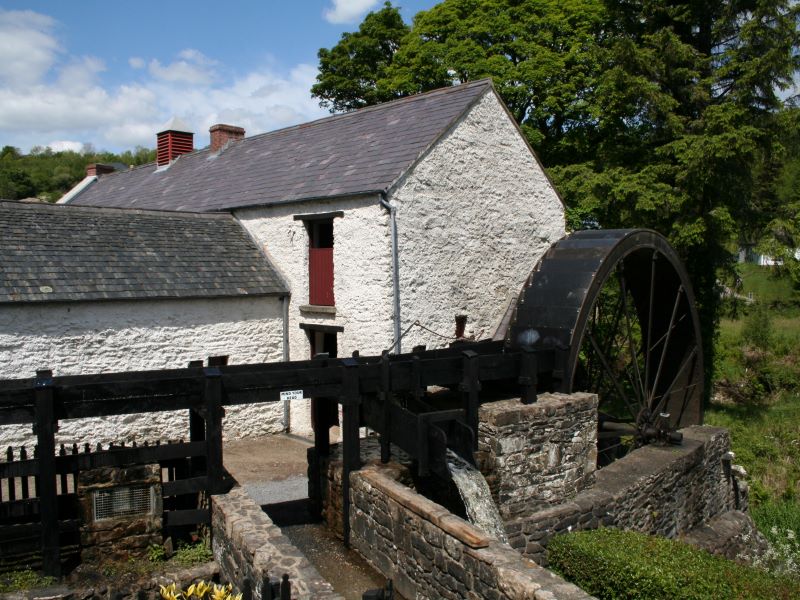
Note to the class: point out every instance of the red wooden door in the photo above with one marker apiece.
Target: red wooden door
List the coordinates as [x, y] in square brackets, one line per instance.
[320, 276]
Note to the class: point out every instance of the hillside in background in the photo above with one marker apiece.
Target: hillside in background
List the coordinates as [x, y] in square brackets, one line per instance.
[47, 175]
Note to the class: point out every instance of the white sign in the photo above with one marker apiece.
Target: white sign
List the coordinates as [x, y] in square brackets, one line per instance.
[293, 395]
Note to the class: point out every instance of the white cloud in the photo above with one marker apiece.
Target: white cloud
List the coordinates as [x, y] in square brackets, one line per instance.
[63, 145]
[136, 62]
[27, 48]
[62, 98]
[195, 68]
[347, 11]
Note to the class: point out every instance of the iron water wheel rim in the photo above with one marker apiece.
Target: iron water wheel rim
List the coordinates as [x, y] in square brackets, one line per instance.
[560, 299]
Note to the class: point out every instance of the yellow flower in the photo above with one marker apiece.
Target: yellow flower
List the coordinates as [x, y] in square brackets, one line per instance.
[170, 592]
[202, 589]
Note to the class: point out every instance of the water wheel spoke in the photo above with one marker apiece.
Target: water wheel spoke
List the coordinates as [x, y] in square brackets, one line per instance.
[609, 371]
[688, 360]
[666, 343]
[650, 299]
[639, 390]
[667, 332]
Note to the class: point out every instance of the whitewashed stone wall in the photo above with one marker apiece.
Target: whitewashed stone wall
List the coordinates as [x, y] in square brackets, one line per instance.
[474, 216]
[362, 282]
[97, 337]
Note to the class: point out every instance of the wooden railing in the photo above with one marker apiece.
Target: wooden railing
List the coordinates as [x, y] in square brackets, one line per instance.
[363, 386]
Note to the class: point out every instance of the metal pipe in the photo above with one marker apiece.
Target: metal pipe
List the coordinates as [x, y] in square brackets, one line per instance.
[395, 271]
[285, 299]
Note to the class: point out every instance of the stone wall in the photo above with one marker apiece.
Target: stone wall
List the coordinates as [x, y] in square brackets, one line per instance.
[247, 545]
[118, 538]
[538, 454]
[106, 337]
[430, 553]
[663, 490]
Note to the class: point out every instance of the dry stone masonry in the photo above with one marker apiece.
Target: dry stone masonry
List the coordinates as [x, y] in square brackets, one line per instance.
[112, 527]
[536, 455]
[247, 545]
[430, 553]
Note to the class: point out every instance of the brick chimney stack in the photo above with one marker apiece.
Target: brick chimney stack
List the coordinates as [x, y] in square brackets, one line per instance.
[175, 139]
[222, 134]
[98, 169]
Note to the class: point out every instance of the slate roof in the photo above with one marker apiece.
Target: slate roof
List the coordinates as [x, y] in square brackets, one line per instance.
[363, 151]
[51, 253]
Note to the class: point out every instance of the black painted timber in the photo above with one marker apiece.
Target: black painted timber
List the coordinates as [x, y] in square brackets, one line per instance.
[48, 506]
[178, 518]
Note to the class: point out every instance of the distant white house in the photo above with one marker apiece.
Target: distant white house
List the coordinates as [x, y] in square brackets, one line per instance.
[384, 223]
[749, 255]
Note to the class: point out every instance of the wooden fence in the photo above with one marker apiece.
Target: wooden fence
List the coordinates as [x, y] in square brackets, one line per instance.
[364, 386]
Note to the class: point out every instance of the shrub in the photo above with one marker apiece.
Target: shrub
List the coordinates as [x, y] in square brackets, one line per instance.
[156, 553]
[757, 331]
[192, 554]
[613, 564]
[23, 580]
[780, 523]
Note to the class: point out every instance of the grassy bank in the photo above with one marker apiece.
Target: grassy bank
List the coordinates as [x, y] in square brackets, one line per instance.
[757, 397]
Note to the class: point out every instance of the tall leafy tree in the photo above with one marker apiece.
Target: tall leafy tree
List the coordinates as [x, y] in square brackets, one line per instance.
[648, 113]
[687, 122]
[352, 72]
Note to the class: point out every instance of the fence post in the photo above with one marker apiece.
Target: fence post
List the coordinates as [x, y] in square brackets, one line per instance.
[386, 407]
[528, 375]
[213, 400]
[321, 417]
[286, 587]
[351, 451]
[46, 426]
[197, 428]
[471, 386]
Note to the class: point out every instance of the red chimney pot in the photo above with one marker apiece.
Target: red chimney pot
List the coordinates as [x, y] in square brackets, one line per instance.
[98, 169]
[221, 134]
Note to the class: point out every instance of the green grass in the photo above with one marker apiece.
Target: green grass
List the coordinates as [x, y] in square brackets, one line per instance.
[612, 564]
[766, 286]
[757, 370]
[26, 579]
[766, 441]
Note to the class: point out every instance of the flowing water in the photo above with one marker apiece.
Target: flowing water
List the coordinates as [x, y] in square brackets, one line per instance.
[481, 509]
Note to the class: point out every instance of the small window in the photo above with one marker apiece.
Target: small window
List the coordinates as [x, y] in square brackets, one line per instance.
[321, 234]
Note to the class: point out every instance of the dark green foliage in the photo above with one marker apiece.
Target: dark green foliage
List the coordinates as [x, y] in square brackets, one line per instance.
[351, 73]
[613, 564]
[48, 175]
[646, 113]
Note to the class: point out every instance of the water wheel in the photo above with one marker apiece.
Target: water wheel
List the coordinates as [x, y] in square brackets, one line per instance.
[619, 305]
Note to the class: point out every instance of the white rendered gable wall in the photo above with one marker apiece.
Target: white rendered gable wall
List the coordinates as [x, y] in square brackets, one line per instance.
[74, 338]
[473, 217]
[362, 284]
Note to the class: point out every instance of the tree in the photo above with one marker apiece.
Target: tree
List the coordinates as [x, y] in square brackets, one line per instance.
[688, 119]
[647, 113]
[15, 184]
[541, 54]
[351, 73]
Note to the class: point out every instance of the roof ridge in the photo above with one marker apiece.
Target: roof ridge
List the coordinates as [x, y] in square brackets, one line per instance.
[112, 209]
[373, 108]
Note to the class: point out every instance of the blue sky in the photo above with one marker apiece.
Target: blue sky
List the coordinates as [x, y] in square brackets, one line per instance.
[110, 73]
